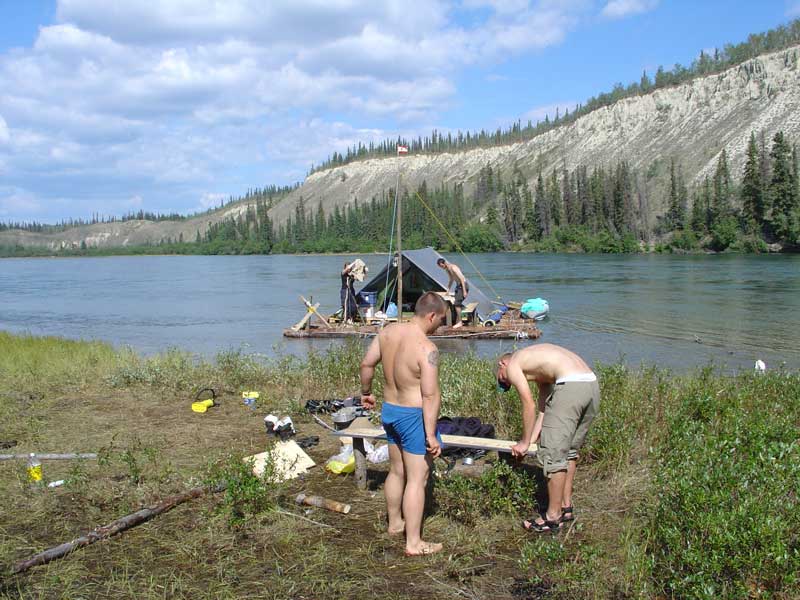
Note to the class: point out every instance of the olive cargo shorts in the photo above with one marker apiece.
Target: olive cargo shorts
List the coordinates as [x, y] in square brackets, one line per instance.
[569, 410]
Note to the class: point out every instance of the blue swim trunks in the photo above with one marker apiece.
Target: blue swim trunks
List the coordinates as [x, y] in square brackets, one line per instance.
[405, 428]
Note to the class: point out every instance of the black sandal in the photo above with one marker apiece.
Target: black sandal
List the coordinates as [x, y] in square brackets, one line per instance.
[567, 514]
[545, 527]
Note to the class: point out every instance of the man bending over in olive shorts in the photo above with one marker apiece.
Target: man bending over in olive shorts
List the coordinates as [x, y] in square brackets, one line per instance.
[569, 397]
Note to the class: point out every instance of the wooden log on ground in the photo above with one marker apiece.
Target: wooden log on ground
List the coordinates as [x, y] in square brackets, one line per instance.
[321, 502]
[112, 529]
[49, 456]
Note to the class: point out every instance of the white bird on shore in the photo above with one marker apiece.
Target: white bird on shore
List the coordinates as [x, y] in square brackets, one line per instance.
[761, 367]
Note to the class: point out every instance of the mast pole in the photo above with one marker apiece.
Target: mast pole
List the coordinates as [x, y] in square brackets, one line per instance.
[399, 247]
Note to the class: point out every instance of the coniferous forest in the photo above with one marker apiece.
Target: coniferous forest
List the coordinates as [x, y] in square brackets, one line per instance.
[603, 209]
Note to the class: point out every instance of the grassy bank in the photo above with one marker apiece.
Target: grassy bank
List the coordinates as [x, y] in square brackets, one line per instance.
[688, 486]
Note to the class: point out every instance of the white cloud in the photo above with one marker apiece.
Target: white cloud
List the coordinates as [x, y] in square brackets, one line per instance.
[176, 97]
[618, 9]
[210, 200]
[538, 113]
[5, 136]
[16, 201]
[499, 6]
[793, 8]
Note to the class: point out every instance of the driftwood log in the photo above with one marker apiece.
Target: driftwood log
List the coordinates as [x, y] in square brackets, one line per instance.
[321, 502]
[112, 529]
[49, 456]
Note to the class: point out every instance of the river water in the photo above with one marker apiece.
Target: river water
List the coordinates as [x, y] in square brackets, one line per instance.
[674, 311]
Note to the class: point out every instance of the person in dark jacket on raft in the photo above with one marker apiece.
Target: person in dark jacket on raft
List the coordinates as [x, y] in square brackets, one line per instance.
[347, 295]
[569, 398]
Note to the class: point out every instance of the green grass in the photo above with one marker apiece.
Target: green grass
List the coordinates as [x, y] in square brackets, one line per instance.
[687, 486]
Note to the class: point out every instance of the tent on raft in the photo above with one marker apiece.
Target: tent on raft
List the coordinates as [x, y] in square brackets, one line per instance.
[420, 274]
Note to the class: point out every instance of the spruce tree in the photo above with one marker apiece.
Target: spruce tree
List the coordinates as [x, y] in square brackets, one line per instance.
[542, 209]
[782, 189]
[554, 199]
[752, 190]
[722, 189]
[678, 198]
[532, 226]
[623, 199]
[586, 214]
[796, 175]
[708, 200]
[319, 221]
[492, 218]
[698, 218]
[570, 204]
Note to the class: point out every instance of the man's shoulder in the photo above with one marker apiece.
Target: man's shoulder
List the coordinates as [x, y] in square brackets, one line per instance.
[430, 352]
[385, 332]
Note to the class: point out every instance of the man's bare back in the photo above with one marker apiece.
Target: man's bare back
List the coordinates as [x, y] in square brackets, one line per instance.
[546, 363]
[411, 407]
[569, 397]
[404, 347]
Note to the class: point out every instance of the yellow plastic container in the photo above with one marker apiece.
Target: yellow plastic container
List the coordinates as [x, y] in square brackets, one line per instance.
[202, 406]
[338, 467]
[34, 470]
[250, 395]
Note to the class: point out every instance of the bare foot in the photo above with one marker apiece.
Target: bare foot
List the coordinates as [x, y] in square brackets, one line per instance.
[424, 549]
[397, 530]
[457, 325]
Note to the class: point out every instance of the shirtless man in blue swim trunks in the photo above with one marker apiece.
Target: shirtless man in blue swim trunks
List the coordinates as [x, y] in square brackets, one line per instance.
[409, 413]
[569, 397]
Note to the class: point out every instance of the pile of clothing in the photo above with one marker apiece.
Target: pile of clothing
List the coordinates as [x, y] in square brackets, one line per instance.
[332, 405]
[466, 426]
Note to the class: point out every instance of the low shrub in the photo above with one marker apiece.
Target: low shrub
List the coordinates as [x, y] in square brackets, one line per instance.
[726, 521]
[245, 493]
[502, 488]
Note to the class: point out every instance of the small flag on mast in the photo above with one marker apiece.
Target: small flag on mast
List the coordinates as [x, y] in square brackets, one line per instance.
[402, 149]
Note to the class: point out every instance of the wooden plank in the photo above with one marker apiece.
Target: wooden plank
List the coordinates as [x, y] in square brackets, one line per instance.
[476, 443]
[457, 441]
[362, 432]
[509, 304]
[304, 321]
[314, 310]
[469, 308]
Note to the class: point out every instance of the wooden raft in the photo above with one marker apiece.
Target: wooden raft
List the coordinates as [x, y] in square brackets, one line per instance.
[518, 329]
[360, 432]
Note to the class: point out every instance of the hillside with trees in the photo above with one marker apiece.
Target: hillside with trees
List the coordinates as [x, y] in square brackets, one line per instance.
[700, 158]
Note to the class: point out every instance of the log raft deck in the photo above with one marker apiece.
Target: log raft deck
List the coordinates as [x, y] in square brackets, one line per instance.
[507, 329]
[420, 273]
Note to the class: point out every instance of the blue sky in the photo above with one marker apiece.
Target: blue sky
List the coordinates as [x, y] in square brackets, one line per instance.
[172, 105]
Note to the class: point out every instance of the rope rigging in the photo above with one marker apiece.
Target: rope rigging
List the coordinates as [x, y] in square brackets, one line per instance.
[456, 244]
